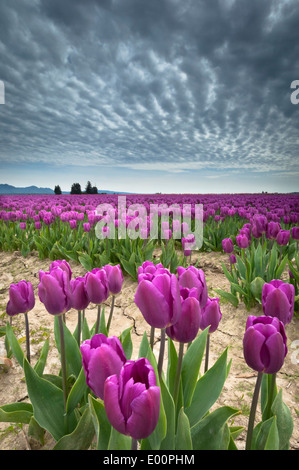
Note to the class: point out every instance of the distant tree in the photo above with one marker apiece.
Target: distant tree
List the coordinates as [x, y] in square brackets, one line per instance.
[57, 189]
[94, 190]
[88, 188]
[76, 188]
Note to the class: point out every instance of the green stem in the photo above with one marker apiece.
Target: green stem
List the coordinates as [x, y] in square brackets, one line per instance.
[111, 312]
[27, 337]
[178, 374]
[152, 337]
[253, 410]
[161, 353]
[271, 393]
[98, 320]
[134, 444]
[207, 353]
[79, 327]
[63, 362]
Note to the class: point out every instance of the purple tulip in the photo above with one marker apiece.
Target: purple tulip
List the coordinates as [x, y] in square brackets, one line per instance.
[264, 344]
[186, 328]
[21, 298]
[54, 291]
[23, 225]
[132, 399]
[80, 298]
[260, 222]
[295, 233]
[159, 300]
[73, 224]
[273, 229]
[86, 227]
[242, 241]
[210, 315]
[148, 270]
[62, 264]
[192, 277]
[227, 245]
[233, 259]
[278, 299]
[96, 284]
[283, 237]
[37, 225]
[101, 357]
[115, 278]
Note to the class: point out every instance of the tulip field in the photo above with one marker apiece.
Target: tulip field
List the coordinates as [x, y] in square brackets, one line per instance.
[163, 322]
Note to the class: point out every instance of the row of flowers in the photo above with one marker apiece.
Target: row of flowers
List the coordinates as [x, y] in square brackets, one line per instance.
[179, 306]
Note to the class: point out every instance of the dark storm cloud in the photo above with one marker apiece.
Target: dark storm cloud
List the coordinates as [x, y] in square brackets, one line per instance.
[159, 84]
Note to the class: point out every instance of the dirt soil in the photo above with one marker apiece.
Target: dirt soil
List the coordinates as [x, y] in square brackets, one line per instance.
[238, 388]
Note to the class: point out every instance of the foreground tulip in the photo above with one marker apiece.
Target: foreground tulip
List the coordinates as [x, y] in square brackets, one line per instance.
[132, 399]
[186, 328]
[264, 344]
[192, 277]
[62, 264]
[159, 300]
[101, 357]
[115, 278]
[278, 300]
[96, 284]
[54, 291]
[21, 298]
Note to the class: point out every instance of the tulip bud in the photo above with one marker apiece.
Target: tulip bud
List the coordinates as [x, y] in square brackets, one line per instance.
[295, 233]
[278, 299]
[186, 328]
[96, 284]
[159, 300]
[264, 344]
[210, 315]
[283, 237]
[115, 278]
[132, 399]
[227, 245]
[54, 291]
[21, 298]
[101, 357]
[242, 241]
[192, 277]
[62, 264]
[80, 298]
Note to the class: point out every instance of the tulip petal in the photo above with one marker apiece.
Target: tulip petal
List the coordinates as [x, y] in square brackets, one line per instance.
[145, 413]
[111, 402]
[276, 353]
[253, 342]
[152, 304]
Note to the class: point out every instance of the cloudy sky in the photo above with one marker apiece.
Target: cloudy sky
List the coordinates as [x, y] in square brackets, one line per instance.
[150, 95]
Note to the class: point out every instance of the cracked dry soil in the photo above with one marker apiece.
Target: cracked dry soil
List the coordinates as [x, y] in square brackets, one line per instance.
[238, 388]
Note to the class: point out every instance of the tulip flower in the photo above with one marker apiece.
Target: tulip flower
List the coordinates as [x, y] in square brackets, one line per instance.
[132, 399]
[227, 245]
[96, 284]
[264, 347]
[278, 299]
[54, 291]
[192, 277]
[186, 328]
[86, 227]
[242, 241]
[101, 357]
[210, 315]
[62, 264]
[265, 344]
[283, 237]
[21, 300]
[295, 233]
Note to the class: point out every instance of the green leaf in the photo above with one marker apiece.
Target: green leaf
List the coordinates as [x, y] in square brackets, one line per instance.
[126, 341]
[77, 391]
[100, 421]
[279, 270]
[119, 441]
[265, 435]
[171, 365]
[81, 438]
[233, 299]
[191, 365]
[284, 421]
[86, 261]
[256, 287]
[168, 442]
[72, 350]
[41, 363]
[16, 413]
[47, 402]
[207, 390]
[212, 432]
[14, 344]
[272, 442]
[183, 440]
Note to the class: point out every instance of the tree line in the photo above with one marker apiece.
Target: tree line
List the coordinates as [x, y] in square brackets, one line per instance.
[76, 189]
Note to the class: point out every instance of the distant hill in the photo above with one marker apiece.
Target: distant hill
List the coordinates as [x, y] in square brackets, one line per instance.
[9, 189]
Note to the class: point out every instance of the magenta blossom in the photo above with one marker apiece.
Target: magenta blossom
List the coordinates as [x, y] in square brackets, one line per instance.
[132, 399]
[21, 298]
[96, 284]
[192, 277]
[278, 299]
[264, 344]
[186, 328]
[115, 278]
[101, 357]
[210, 315]
[54, 291]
